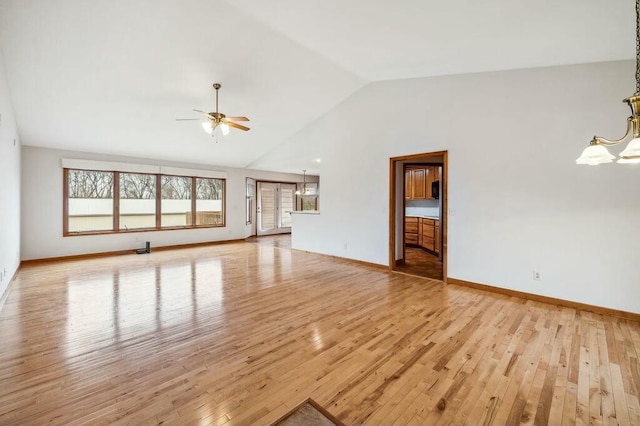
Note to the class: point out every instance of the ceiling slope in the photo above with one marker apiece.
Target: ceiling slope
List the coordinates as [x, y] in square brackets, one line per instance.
[112, 77]
[382, 40]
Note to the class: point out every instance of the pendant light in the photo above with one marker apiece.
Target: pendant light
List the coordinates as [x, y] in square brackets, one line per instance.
[597, 152]
[305, 191]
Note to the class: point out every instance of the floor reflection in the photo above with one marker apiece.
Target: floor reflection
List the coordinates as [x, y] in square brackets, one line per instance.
[193, 332]
[112, 307]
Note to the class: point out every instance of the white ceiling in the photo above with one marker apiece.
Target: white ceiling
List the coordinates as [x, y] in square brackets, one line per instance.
[111, 76]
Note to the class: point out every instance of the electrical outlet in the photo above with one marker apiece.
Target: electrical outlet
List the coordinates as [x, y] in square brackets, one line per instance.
[345, 246]
[536, 276]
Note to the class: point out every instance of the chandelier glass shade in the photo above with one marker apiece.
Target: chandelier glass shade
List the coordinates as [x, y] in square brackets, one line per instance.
[207, 126]
[597, 152]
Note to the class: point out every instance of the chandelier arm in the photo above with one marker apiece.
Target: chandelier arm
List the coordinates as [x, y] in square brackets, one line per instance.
[637, 47]
[610, 142]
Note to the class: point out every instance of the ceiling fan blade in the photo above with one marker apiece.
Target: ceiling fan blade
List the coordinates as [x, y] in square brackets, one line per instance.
[188, 119]
[208, 114]
[237, 126]
[237, 118]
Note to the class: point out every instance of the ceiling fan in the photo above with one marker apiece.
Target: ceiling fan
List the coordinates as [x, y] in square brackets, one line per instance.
[215, 119]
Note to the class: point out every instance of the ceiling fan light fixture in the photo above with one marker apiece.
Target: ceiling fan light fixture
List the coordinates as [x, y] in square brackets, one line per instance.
[215, 119]
[206, 125]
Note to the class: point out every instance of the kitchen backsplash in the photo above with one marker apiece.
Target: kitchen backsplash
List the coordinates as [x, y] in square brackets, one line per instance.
[422, 208]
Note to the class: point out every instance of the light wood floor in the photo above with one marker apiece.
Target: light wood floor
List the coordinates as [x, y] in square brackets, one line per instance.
[241, 333]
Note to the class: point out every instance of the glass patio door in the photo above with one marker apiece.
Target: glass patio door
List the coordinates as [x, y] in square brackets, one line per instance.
[276, 201]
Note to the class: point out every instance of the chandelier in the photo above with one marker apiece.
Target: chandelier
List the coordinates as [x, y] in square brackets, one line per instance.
[597, 152]
[306, 191]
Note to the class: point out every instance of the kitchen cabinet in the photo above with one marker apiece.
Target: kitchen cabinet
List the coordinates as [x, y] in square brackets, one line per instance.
[422, 232]
[428, 234]
[408, 184]
[415, 184]
[418, 180]
[437, 239]
[411, 226]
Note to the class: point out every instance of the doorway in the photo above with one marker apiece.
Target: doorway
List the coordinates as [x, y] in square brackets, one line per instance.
[275, 202]
[418, 216]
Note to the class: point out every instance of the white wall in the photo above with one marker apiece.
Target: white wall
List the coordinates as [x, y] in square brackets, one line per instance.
[9, 186]
[42, 208]
[520, 201]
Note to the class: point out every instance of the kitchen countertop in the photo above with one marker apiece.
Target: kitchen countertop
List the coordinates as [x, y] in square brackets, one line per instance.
[423, 216]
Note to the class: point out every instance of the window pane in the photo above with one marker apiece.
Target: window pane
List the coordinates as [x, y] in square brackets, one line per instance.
[309, 203]
[137, 201]
[176, 201]
[90, 203]
[209, 201]
[287, 197]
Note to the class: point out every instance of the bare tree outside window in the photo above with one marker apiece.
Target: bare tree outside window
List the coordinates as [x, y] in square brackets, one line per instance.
[208, 189]
[137, 186]
[90, 184]
[176, 188]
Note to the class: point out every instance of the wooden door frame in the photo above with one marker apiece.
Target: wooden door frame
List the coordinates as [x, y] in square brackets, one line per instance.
[393, 194]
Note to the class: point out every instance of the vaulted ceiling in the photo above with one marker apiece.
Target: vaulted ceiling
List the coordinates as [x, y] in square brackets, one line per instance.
[111, 76]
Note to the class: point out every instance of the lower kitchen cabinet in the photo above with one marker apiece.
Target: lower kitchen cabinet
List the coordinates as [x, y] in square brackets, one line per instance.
[423, 232]
[428, 234]
[411, 226]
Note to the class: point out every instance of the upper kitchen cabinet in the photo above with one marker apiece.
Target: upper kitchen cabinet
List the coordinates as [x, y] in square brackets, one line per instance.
[418, 180]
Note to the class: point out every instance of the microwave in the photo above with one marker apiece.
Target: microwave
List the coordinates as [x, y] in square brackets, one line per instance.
[435, 189]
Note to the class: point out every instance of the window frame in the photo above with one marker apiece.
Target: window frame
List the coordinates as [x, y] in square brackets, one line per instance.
[158, 199]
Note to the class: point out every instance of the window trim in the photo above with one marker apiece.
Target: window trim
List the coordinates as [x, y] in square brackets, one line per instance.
[116, 204]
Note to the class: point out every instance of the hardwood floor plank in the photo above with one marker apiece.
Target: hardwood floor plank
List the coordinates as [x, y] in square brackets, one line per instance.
[240, 333]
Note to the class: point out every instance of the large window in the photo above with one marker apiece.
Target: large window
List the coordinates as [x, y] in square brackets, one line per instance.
[106, 202]
[89, 201]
